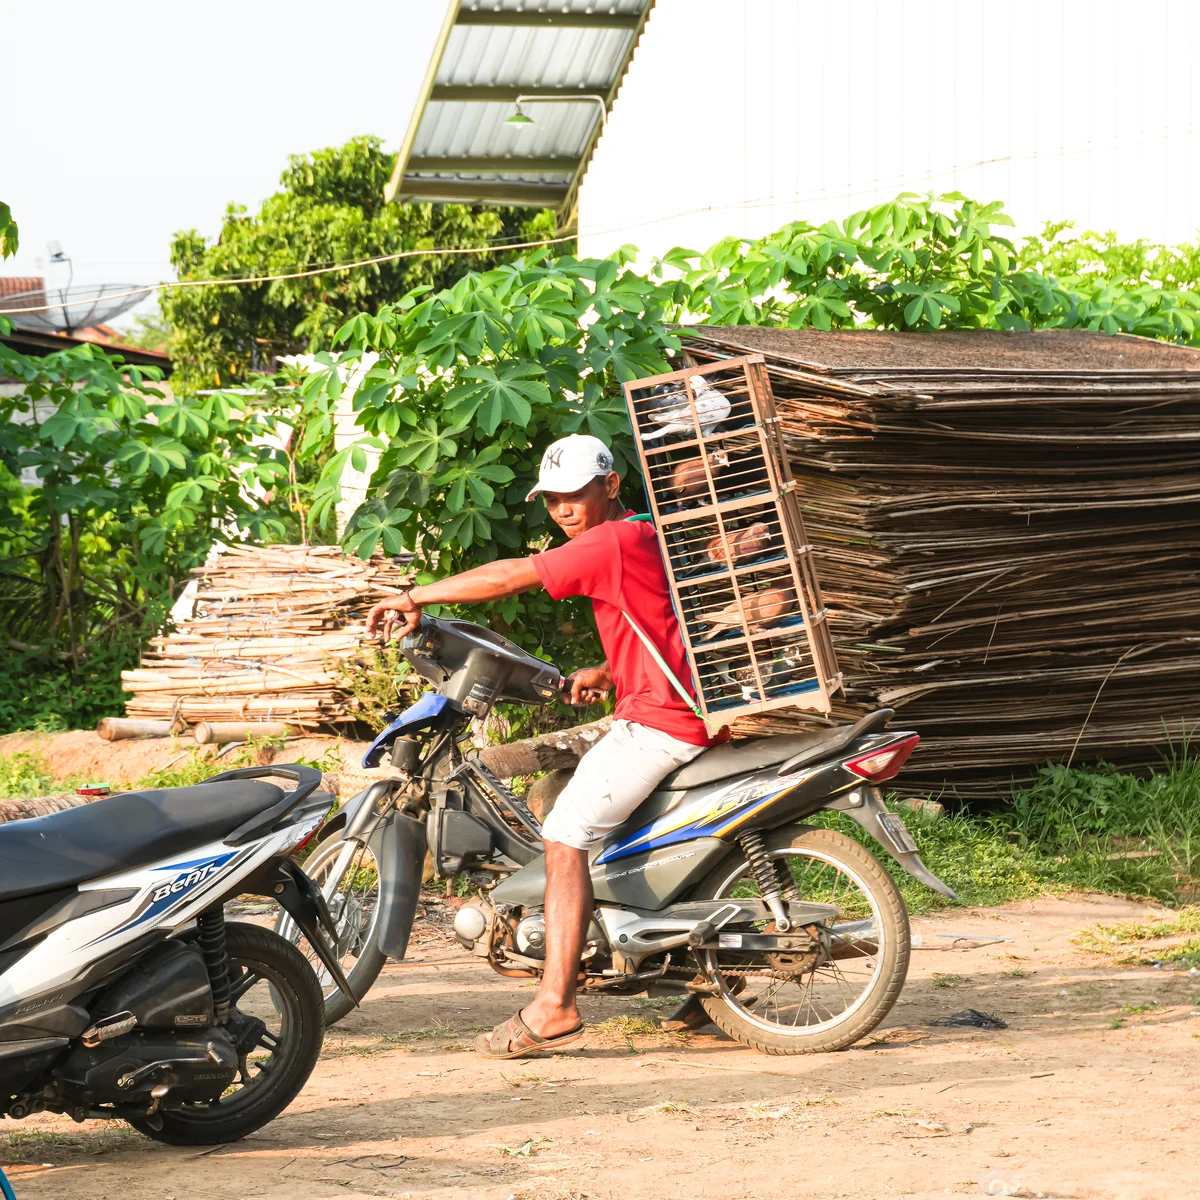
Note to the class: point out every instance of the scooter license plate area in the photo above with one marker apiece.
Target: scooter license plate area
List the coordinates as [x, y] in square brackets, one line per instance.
[894, 824]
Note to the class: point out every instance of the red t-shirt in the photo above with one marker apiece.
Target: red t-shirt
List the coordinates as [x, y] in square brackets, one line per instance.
[619, 566]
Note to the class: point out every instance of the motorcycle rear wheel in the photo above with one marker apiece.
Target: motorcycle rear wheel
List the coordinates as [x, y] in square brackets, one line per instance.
[270, 979]
[832, 1000]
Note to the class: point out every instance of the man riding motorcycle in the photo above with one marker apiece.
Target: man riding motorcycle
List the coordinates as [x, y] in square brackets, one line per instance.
[615, 562]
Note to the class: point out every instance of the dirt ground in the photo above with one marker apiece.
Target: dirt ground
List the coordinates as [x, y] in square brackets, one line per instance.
[1090, 1093]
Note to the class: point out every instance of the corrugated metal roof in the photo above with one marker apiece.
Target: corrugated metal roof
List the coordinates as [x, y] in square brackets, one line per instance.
[459, 145]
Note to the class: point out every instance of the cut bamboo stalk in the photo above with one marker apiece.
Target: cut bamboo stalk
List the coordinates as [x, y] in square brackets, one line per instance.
[238, 731]
[118, 729]
[268, 625]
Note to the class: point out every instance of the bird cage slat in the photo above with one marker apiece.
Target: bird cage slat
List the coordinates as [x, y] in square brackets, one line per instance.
[738, 561]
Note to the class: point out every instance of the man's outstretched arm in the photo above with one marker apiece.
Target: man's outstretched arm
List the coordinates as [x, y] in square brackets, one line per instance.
[493, 581]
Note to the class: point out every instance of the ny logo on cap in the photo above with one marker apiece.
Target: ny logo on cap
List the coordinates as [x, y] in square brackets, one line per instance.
[553, 458]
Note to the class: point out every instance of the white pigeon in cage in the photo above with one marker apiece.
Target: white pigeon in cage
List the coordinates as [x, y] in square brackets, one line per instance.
[676, 415]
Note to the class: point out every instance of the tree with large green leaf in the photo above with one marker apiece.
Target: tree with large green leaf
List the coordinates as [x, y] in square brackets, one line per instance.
[467, 384]
[460, 378]
[329, 210]
[126, 490]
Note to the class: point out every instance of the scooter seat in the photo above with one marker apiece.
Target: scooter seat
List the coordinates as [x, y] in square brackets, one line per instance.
[742, 757]
[753, 754]
[119, 833]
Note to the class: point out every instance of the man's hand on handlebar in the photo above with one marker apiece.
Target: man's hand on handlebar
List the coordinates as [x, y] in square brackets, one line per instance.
[397, 616]
[588, 686]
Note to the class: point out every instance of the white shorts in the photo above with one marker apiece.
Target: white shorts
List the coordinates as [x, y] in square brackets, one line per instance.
[612, 779]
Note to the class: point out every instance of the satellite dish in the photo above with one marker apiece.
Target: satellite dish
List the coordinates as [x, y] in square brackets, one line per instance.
[82, 307]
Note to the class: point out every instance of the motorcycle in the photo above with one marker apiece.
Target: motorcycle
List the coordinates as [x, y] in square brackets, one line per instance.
[124, 992]
[794, 937]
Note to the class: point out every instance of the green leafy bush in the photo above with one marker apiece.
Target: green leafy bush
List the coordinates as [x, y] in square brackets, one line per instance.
[24, 774]
[460, 389]
[133, 487]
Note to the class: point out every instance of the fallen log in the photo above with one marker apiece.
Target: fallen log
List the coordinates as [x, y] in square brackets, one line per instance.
[118, 729]
[40, 806]
[546, 752]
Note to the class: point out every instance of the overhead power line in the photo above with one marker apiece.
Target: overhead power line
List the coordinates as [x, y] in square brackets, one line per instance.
[434, 251]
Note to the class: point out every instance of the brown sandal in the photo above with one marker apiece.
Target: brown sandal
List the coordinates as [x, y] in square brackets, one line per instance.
[514, 1039]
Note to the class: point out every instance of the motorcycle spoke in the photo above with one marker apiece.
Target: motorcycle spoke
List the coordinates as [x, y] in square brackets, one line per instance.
[821, 990]
[353, 902]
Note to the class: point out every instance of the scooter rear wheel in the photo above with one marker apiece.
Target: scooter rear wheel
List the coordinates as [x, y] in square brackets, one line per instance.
[821, 1001]
[271, 980]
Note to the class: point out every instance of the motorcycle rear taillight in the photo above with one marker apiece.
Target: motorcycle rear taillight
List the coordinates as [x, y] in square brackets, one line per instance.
[884, 763]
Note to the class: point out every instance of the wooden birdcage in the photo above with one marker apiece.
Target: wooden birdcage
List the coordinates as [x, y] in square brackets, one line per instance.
[738, 562]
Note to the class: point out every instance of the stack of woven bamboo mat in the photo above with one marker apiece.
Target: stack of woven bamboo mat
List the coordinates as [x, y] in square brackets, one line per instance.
[267, 628]
[1007, 532]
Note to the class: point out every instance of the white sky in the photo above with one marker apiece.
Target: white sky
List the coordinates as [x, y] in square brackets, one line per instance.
[128, 121]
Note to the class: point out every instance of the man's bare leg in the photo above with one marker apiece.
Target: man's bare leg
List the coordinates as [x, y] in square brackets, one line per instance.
[568, 913]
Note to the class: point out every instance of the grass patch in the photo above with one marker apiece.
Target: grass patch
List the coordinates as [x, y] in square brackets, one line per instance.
[947, 980]
[23, 775]
[195, 768]
[27, 775]
[1102, 938]
[33, 1145]
[1142, 942]
[526, 1149]
[1071, 830]
[627, 1026]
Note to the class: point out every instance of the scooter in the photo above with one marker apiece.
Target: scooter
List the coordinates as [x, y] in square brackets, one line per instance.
[793, 936]
[125, 994]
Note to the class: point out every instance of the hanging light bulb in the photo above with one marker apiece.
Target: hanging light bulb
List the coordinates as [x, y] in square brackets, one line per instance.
[519, 118]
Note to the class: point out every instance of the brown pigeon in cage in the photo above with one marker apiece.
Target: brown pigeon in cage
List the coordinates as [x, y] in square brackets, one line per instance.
[761, 607]
[689, 478]
[743, 543]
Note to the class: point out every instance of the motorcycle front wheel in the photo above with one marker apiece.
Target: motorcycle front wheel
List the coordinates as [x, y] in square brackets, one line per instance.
[347, 872]
[828, 998]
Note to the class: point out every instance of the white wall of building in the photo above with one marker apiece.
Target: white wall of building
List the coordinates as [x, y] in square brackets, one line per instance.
[738, 116]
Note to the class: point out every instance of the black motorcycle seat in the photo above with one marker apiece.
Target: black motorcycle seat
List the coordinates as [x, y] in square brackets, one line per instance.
[753, 754]
[119, 833]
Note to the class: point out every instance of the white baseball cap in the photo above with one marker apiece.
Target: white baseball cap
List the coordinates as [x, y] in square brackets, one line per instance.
[571, 463]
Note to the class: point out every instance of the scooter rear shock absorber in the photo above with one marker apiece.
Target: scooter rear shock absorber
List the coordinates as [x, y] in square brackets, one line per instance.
[211, 925]
[763, 869]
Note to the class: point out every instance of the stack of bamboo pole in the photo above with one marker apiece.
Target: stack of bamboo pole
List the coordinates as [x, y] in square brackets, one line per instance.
[267, 626]
[1007, 532]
